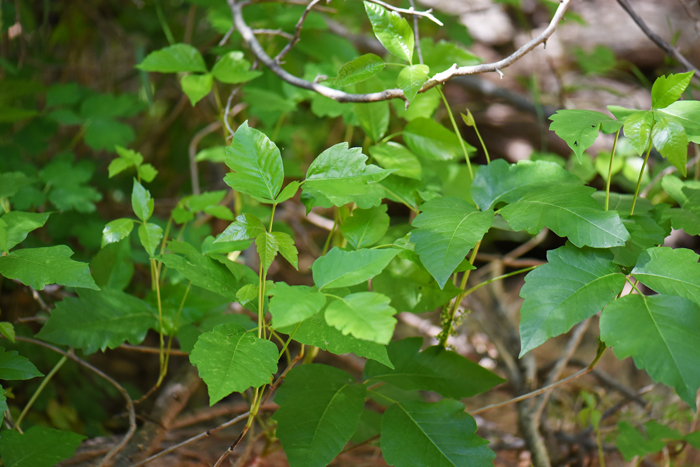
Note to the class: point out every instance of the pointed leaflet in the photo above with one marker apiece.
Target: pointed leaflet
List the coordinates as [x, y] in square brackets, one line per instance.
[396, 156]
[196, 87]
[358, 70]
[433, 369]
[644, 232]
[39, 446]
[428, 139]
[290, 305]
[366, 226]
[447, 229]
[267, 248]
[574, 285]
[411, 79]
[288, 191]
[231, 360]
[579, 128]
[660, 332]
[672, 142]
[150, 236]
[232, 68]
[670, 271]
[503, 182]
[339, 175]
[285, 243]
[141, 201]
[374, 118]
[116, 231]
[315, 331]
[631, 442]
[687, 113]
[99, 320]
[203, 271]
[16, 367]
[365, 315]
[19, 224]
[173, 59]
[439, 434]
[320, 408]
[666, 91]
[411, 288]
[37, 267]
[569, 211]
[245, 227]
[112, 266]
[638, 130]
[392, 30]
[341, 268]
[256, 162]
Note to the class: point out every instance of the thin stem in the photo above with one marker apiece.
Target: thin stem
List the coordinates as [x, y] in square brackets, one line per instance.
[445, 334]
[41, 387]
[261, 318]
[639, 181]
[272, 216]
[483, 145]
[177, 317]
[415, 32]
[163, 23]
[494, 279]
[457, 132]
[161, 356]
[330, 235]
[607, 185]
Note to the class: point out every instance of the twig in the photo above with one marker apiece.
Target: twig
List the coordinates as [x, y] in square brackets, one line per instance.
[611, 382]
[155, 350]
[206, 434]
[416, 33]
[429, 329]
[656, 39]
[273, 32]
[297, 32]
[663, 173]
[100, 373]
[411, 11]
[227, 36]
[340, 96]
[40, 300]
[194, 173]
[559, 367]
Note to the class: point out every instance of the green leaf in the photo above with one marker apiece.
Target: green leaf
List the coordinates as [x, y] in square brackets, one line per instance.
[231, 360]
[315, 331]
[365, 315]
[434, 369]
[196, 87]
[3, 236]
[112, 266]
[11, 182]
[116, 231]
[256, 162]
[16, 367]
[203, 271]
[446, 230]
[660, 334]
[366, 226]
[411, 288]
[439, 434]
[687, 113]
[358, 70]
[396, 156]
[285, 243]
[374, 118]
[339, 175]
[320, 408]
[173, 59]
[579, 128]
[442, 55]
[7, 330]
[631, 442]
[424, 105]
[19, 224]
[37, 267]
[411, 79]
[502, 182]
[150, 236]
[141, 201]
[39, 446]
[569, 211]
[620, 113]
[290, 305]
[672, 142]
[267, 248]
[106, 134]
[288, 192]
[428, 139]
[670, 271]
[644, 233]
[393, 31]
[574, 285]
[341, 268]
[245, 227]
[638, 128]
[666, 91]
[3, 408]
[99, 320]
[232, 68]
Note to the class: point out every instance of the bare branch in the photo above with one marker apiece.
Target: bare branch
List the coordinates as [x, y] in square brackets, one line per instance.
[194, 173]
[297, 32]
[656, 39]
[411, 11]
[101, 374]
[416, 34]
[340, 96]
[273, 32]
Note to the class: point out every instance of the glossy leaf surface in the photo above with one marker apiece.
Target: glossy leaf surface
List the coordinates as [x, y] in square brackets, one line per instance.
[366, 226]
[18, 224]
[341, 268]
[428, 139]
[37, 267]
[290, 305]
[245, 227]
[365, 315]
[357, 70]
[393, 31]
[16, 367]
[411, 79]
[173, 59]
[396, 156]
[579, 128]
[670, 271]
[667, 90]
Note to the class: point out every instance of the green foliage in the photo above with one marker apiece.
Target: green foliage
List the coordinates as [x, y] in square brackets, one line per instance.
[173, 59]
[37, 267]
[14, 366]
[347, 268]
[393, 31]
[366, 226]
[365, 315]
[358, 70]
[37, 447]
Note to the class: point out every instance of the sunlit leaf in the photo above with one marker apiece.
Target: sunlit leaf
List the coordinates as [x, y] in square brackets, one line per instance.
[173, 59]
[341, 268]
[37, 267]
[393, 31]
